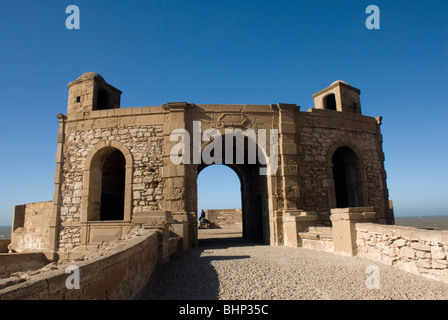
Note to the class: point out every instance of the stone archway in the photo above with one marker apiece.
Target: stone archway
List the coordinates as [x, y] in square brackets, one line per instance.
[347, 175]
[119, 163]
[254, 193]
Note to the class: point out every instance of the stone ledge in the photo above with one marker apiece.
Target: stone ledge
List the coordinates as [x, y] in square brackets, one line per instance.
[418, 251]
[316, 236]
[440, 236]
[13, 262]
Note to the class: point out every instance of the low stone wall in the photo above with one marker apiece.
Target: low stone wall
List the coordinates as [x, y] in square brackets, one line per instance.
[224, 218]
[120, 273]
[13, 262]
[419, 251]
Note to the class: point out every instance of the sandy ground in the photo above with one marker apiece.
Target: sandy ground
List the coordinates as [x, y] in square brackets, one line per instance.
[226, 267]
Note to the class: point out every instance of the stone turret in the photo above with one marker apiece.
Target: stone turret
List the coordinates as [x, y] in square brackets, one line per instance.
[339, 96]
[91, 92]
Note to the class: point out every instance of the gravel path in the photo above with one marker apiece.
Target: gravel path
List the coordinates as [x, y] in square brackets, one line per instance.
[233, 269]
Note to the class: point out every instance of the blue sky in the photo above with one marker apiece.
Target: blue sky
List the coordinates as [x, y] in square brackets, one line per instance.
[229, 51]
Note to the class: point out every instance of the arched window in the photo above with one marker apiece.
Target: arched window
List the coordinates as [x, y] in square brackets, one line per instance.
[346, 177]
[330, 102]
[107, 185]
[112, 187]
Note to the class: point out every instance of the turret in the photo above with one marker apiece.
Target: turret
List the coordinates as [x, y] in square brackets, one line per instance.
[339, 96]
[91, 92]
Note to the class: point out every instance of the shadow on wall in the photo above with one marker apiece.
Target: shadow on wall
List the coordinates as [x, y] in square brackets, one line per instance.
[189, 275]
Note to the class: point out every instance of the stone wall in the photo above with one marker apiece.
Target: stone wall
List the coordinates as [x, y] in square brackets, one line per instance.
[13, 262]
[31, 226]
[145, 143]
[225, 218]
[118, 274]
[419, 251]
[319, 134]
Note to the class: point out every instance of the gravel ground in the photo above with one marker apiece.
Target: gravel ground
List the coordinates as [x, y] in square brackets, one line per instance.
[234, 269]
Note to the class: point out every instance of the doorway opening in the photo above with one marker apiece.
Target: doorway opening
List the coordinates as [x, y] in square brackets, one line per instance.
[112, 187]
[330, 102]
[346, 178]
[248, 182]
[219, 202]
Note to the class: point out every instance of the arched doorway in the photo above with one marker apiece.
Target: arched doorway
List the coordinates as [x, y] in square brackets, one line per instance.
[112, 187]
[254, 192]
[107, 178]
[347, 178]
[219, 195]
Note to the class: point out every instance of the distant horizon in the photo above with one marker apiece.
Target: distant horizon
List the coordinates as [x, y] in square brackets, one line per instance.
[416, 216]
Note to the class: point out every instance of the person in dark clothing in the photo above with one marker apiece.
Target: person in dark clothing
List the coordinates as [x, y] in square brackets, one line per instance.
[202, 217]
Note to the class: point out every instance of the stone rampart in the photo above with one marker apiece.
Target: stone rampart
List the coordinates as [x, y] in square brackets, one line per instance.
[419, 251]
[224, 218]
[13, 262]
[117, 273]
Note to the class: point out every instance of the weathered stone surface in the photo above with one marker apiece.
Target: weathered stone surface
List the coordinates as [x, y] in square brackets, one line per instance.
[399, 243]
[31, 227]
[438, 253]
[411, 249]
[224, 218]
[10, 281]
[439, 264]
[406, 252]
[421, 246]
[424, 263]
[115, 270]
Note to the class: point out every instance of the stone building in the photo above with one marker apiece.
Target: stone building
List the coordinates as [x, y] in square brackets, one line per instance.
[115, 170]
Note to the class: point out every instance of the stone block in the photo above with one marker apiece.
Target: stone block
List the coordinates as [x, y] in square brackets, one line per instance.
[290, 148]
[374, 254]
[438, 253]
[363, 235]
[152, 218]
[439, 264]
[389, 260]
[389, 251]
[407, 252]
[409, 267]
[420, 246]
[399, 243]
[422, 255]
[424, 263]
